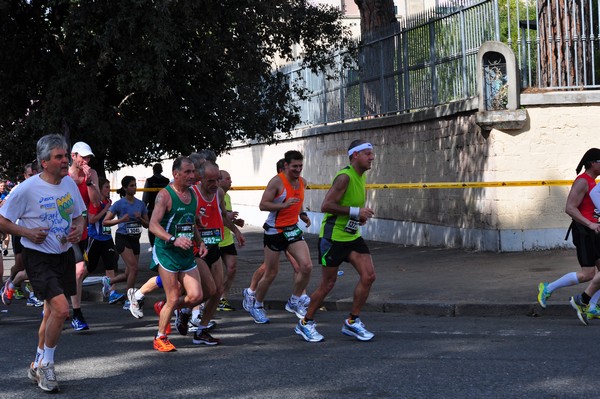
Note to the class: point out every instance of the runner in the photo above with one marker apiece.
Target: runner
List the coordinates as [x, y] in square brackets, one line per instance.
[102, 246]
[50, 210]
[340, 241]
[86, 179]
[283, 198]
[173, 224]
[131, 215]
[227, 246]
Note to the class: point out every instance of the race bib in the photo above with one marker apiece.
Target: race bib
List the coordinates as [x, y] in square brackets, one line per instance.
[106, 230]
[211, 236]
[185, 230]
[133, 228]
[352, 226]
[292, 233]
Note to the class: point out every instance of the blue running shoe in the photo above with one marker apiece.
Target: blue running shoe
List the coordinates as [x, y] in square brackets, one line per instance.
[79, 324]
[105, 287]
[115, 297]
[543, 294]
[357, 330]
[33, 301]
[296, 308]
[248, 302]
[581, 309]
[308, 331]
[259, 315]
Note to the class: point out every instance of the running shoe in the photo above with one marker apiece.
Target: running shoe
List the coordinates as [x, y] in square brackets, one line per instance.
[259, 315]
[182, 318]
[7, 293]
[5, 252]
[18, 294]
[543, 294]
[158, 306]
[248, 302]
[204, 338]
[32, 373]
[47, 378]
[308, 331]
[194, 323]
[304, 300]
[34, 301]
[224, 306]
[357, 330]
[126, 305]
[593, 313]
[115, 297]
[135, 307]
[79, 323]
[105, 287]
[296, 308]
[581, 309]
[162, 344]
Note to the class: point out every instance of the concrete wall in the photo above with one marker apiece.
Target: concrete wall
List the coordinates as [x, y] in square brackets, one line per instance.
[442, 145]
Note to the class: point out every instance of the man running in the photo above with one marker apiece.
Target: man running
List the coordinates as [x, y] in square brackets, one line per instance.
[340, 241]
[227, 246]
[86, 179]
[283, 198]
[50, 210]
[173, 224]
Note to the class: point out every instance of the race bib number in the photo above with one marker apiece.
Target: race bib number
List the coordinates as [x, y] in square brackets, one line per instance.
[211, 236]
[185, 230]
[133, 228]
[351, 226]
[106, 230]
[292, 233]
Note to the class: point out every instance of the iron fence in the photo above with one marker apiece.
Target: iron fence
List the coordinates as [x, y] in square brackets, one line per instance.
[430, 59]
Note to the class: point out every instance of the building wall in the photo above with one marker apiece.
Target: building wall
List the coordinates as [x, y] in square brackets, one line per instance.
[443, 149]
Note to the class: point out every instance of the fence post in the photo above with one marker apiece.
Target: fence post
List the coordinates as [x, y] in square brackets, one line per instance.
[432, 60]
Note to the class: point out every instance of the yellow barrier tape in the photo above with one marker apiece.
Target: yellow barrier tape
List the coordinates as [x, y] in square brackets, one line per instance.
[404, 186]
[412, 186]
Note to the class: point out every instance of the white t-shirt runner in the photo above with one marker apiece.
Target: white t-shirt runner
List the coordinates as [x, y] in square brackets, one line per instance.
[40, 204]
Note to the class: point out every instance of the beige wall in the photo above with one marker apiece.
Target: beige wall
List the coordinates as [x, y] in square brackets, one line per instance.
[444, 149]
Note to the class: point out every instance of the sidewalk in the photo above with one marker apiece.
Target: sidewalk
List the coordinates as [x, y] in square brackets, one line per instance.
[410, 280]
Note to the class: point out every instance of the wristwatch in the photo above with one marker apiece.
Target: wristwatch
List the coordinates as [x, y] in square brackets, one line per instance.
[172, 239]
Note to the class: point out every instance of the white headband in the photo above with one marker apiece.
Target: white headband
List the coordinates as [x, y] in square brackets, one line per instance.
[359, 148]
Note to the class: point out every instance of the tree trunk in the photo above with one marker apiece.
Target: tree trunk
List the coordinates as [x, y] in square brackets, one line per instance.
[376, 61]
[565, 45]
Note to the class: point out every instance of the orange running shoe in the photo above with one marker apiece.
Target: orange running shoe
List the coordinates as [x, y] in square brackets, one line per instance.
[157, 308]
[162, 344]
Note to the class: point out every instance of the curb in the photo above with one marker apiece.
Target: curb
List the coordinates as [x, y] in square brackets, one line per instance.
[411, 308]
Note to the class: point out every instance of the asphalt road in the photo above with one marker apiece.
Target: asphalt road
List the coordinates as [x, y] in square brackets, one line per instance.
[410, 357]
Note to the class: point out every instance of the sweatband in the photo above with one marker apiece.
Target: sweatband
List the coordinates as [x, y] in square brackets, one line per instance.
[159, 282]
[354, 212]
[359, 148]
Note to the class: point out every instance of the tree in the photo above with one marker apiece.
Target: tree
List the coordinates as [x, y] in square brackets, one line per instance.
[377, 20]
[566, 47]
[143, 80]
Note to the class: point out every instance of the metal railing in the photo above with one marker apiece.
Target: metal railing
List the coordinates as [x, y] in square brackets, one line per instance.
[430, 59]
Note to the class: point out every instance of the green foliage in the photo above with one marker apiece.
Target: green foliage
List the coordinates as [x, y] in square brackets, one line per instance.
[140, 80]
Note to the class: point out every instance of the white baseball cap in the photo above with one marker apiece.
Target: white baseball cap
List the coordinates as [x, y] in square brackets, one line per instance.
[82, 149]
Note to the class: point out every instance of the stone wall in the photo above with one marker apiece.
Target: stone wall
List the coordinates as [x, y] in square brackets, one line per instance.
[442, 146]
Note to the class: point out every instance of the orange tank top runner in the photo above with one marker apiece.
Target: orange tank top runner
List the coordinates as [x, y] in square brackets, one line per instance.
[209, 219]
[288, 216]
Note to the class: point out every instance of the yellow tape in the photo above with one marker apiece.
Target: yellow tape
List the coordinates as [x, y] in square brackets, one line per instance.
[412, 186]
